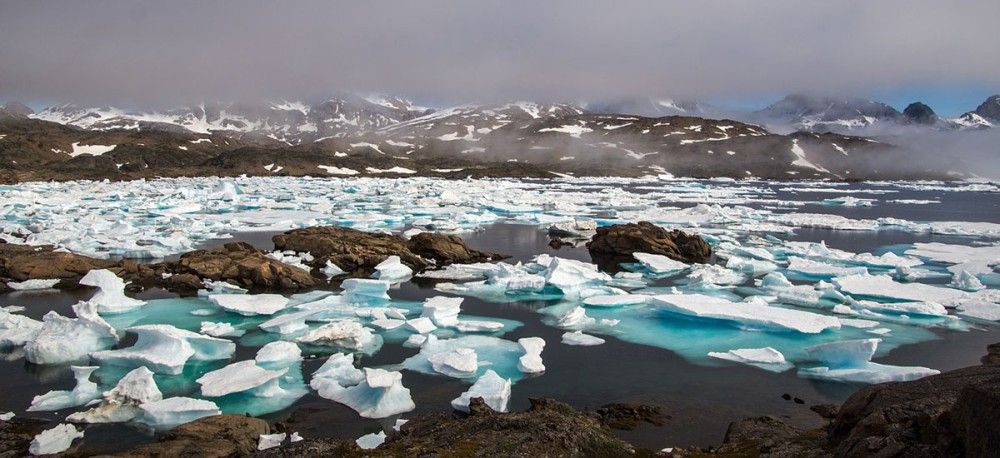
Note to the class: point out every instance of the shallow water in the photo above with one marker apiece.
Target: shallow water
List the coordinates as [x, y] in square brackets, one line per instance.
[700, 398]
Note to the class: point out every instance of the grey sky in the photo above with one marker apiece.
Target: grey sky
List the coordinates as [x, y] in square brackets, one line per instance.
[140, 53]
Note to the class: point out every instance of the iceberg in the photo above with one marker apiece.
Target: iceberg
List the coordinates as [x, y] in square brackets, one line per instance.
[279, 352]
[885, 288]
[710, 275]
[965, 281]
[165, 349]
[289, 323]
[268, 441]
[220, 329]
[121, 403]
[33, 284]
[63, 340]
[421, 325]
[745, 313]
[531, 361]
[17, 330]
[373, 393]
[170, 412]
[84, 392]
[458, 363]
[110, 297]
[331, 270]
[569, 274]
[443, 311]
[491, 352]
[238, 377]
[580, 339]
[494, 390]
[344, 333]
[765, 358]
[659, 264]
[250, 304]
[364, 290]
[907, 308]
[371, 440]
[55, 440]
[392, 270]
[850, 361]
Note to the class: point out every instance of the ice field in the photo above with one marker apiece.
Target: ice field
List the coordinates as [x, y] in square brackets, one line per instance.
[777, 298]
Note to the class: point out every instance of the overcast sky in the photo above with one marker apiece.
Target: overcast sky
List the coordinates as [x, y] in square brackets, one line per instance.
[137, 53]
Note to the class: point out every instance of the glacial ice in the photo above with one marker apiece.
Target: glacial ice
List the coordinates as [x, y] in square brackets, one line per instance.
[581, 339]
[458, 363]
[165, 349]
[268, 441]
[54, 440]
[494, 353]
[84, 392]
[392, 270]
[121, 403]
[372, 393]
[240, 376]
[110, 296]
[883, 287]
[364, 290]
[33, 284]
[745, 313]
[765, 358]
[63, 340]
[531, 361]
[250, 304]
[344, 333]
[371, 440]
[659, 264]
[850, 361]
[220, 329]
[615, 300]
[494, 390]
[279, 352]
[16, 330]
[966, 281]
[170, 412]
[815, 270]
[443, 311]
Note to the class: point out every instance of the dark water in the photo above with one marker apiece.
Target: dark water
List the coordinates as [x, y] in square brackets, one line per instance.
[701, 401]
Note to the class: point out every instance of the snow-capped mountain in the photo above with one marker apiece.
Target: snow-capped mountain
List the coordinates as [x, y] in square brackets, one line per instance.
[820, 114]
[650, 107]
[290, 122]
[987, 114]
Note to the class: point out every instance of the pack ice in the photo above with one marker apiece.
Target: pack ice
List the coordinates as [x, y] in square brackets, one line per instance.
[850, 361]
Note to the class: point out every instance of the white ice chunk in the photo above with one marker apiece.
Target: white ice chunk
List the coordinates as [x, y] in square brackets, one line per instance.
[363, 289]
[171, 412]
[16, 330]
[288, 323]
[494, 390]
[823, 270]
[332, 270]
[392, 269]
[746, 313]
[121, 403]
[569, 274]
[907, 308]
[250, 304]
[375, 393]
[84, 392]
[659, 264]
[220, 329]
[850, 361]
[110, 297]
[711, 274]
[55, 440]
[63, 339]
[531, 361]
[165, 349]
[370, 441]
[883, 287]
[615, 300]
[966, 281]
[458, 363]
[33, 284]
[766, 358]
[422, 325]
[238, 377]
[266, 441]
[443, 311]
[280, 351]
[581, 339]
[344, 333]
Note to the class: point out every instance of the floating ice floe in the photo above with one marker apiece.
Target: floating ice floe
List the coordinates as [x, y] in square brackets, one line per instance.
[884, 287]
[83, 392]
[219, 287]
[220, 329]
[55, 440]
[343, 333]
[977, 260]
[815, 270]
[238, 377]
[371, 440]
[659, 264]
[965, 281]
[752, 314]
[121, 403]
[16, 330]
[33, 284]
[458, 363]
[850, 361]
[372, 393]
[490, 352]
[331, 270]
[903, 308]
[710, 275]
[279, 352]
[364, 290]
[110, 296]
[392, 270]
[570, 274]
[494, 390]
[765, 358]
[165, 349]
[531, 361]
[615, 300]
[250, 304]
[63, 340]
[581, 339]
[170, 412]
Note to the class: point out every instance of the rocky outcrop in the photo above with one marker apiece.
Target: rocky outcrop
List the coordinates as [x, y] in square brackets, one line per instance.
[210, 437]
[26, 262]
[548, 428]
[919, 113]
[354, 250]
[621, 240]
[238, 263]
[16, 435]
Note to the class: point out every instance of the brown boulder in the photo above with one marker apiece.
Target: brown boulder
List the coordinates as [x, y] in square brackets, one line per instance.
[241, 264]
[26, 262]
[353, 250]
[209, 437]
[621, 240]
